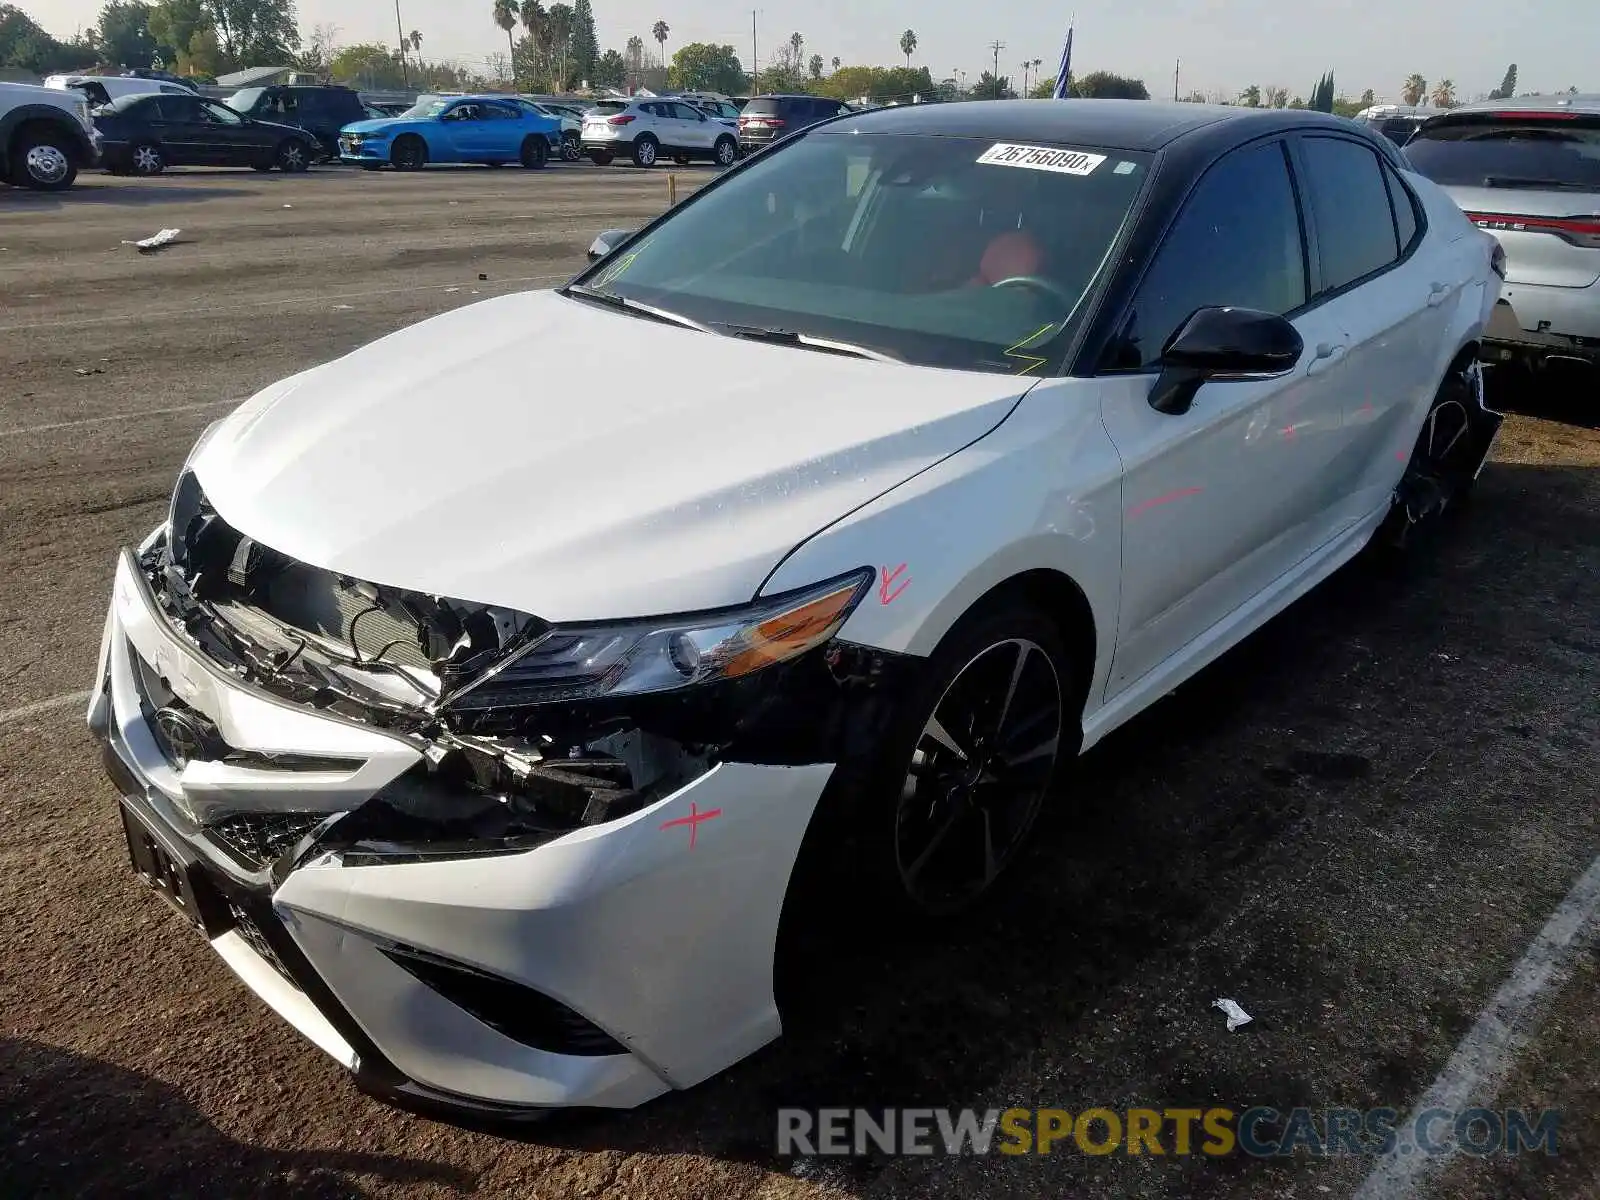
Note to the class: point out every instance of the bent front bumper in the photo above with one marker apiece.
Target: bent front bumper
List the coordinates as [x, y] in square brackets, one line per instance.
[602, 968]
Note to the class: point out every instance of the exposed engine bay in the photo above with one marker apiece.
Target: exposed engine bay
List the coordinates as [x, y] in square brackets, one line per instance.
[492, 778]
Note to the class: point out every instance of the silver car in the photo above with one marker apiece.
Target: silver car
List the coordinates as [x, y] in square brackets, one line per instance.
[1528, 171]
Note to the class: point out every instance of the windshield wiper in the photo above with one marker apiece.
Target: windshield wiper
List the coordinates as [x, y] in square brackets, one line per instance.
[612, 300]
[1555, 185]
[792, 337]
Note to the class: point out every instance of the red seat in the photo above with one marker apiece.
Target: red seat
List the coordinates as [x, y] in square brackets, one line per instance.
[1008, 254]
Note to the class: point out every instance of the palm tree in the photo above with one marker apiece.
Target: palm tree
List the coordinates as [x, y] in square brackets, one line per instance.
[416, 42]
[1444, 94]
[635, 60]
[835, 62]
[533, 17]
[796, 45]
[559, 24]
[505, 16]
[908, 44]
[1416, 87]
[659, 31]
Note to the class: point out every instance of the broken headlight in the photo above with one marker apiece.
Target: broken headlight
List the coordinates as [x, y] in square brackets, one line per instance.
[630, 658]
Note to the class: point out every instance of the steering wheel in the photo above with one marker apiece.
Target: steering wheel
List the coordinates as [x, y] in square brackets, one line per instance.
[1053, 290]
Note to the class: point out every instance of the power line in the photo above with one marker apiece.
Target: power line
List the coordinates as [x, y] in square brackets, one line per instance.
[995, 48]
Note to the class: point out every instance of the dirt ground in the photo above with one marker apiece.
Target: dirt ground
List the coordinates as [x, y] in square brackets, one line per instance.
[1353, 825]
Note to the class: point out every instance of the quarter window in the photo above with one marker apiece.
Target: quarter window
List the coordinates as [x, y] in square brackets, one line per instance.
[1350, 200]
[1237, 242]
[1405, 211]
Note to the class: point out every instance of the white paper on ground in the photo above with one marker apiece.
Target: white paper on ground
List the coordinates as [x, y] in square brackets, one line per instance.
[155, 240]
[1236, 1015]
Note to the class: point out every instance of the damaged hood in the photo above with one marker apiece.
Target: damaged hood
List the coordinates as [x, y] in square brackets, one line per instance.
[540, 453]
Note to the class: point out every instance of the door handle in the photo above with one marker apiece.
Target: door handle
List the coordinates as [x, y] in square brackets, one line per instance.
[1437, 294]
[1327, 353]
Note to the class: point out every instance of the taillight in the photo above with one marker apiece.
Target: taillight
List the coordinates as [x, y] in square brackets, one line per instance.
[621, 119]
[1530, 115]
[1578, 230]
[1497, 260]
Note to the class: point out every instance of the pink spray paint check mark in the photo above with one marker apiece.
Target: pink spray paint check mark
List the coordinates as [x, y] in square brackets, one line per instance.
[693, 820]
[888, 593]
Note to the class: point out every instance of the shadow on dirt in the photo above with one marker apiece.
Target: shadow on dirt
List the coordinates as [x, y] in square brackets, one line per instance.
[1561, 392]
[76, 1126]
[90, 190]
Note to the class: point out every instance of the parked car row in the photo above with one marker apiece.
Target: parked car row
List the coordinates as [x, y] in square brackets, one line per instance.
[143, 125]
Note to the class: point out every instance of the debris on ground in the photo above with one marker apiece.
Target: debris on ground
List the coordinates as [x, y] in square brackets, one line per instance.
[89, 371]
[1236, 1015]
[482, 276]
[155, 241]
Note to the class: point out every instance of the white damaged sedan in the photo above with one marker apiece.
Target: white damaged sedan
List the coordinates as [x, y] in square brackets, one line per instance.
[476, 714]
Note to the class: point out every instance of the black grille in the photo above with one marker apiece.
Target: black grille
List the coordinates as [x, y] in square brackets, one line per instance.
[244, 925]
[258, 839]
[518, 1012]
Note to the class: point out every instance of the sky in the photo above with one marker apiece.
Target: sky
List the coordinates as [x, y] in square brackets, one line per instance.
[1225, 45]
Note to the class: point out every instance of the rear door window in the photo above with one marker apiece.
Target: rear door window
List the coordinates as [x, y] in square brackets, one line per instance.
[1559, 151]
[1350, 201]
[179, 108]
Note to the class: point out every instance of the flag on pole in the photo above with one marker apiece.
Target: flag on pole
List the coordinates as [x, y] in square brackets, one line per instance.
[1065, 73]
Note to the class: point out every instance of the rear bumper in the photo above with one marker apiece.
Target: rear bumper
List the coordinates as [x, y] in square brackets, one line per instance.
[1544, 322]
[649, 951]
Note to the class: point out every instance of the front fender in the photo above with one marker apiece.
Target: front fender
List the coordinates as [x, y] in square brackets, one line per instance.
[1042, 491]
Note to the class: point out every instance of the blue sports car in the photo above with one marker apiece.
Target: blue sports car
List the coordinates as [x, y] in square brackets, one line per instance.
[453, 129]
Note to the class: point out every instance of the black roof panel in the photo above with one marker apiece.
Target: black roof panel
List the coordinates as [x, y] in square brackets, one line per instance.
[1139, 125]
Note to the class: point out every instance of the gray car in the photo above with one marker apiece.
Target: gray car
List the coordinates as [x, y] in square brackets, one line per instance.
[1528, 171]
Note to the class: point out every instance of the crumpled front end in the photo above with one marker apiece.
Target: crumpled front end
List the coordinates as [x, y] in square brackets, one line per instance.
[473, 879]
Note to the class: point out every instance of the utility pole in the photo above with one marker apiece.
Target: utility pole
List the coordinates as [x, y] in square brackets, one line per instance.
[755, 69]
[1176, 64]
[405, 75]
[994, 48]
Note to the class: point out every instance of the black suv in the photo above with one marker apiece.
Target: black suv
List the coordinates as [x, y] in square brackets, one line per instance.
[767, 118]
[320, 111]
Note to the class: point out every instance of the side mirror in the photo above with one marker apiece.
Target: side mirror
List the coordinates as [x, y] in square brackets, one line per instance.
[1232, 344]
[607, 242]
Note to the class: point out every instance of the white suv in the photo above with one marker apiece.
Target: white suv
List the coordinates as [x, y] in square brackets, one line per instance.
[646, 130]
[46, 136]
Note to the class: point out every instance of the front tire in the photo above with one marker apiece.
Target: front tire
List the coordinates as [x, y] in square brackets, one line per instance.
[292, 157]
[969, 761]
[570, 151]
[147, 158]
[644, 151]
[42, 160]
[409, 153]
[535, 153]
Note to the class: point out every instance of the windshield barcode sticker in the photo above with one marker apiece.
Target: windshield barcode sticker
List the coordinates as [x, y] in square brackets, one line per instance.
[1041, 158]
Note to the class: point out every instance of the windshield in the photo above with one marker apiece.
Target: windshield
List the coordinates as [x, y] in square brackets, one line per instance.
[944, 251]
[244, 99]
[1511, 150]
[426, 106]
